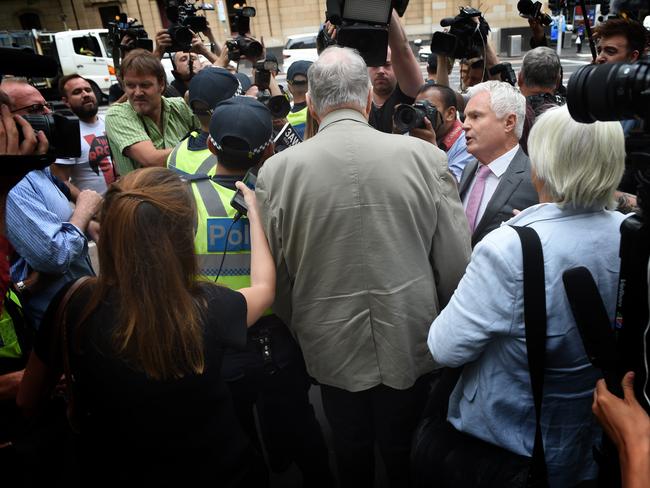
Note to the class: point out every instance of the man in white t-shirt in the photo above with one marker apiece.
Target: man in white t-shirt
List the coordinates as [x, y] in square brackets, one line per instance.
[93, 169]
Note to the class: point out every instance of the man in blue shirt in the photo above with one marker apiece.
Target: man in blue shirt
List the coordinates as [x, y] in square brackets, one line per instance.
[48, 236]
[449, 136]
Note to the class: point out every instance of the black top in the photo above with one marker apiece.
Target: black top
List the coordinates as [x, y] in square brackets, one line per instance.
[159, 432]
[297, 107]
[381, 118]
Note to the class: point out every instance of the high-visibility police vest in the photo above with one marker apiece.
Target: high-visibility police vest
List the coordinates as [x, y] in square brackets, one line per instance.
[189, 162]
[215, 217]
[298, 121]
[10, 337]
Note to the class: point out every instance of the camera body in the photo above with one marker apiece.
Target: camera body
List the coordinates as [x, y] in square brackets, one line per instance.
[263, 69]
[408, 117]
[533, 10]
[184, 24]
[465, 39]
[244, 46]
[61, 130]
[363, 25]
[278, 105]
[122, 27]
[505, 72]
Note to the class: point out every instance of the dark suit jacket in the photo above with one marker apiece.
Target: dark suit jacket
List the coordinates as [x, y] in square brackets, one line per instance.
[515, 191]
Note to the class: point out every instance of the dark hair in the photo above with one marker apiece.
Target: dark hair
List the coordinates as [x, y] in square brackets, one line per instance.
[64, 81]
[235, 154]
[448, 95]
[637, 36]
[147, 258]
[4, 98]
[143, 62]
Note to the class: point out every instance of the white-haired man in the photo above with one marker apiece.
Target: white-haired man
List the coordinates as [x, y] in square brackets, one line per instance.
[370, 240]
[499, 181]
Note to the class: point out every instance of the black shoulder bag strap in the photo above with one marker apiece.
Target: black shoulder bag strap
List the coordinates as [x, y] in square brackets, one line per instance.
[535, 320]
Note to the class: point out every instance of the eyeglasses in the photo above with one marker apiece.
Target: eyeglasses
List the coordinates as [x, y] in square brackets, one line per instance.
[35, 108]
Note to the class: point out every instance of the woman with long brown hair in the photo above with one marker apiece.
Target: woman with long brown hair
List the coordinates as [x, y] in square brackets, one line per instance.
[145, 343]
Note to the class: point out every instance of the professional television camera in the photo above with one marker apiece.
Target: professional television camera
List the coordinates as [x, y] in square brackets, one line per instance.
[121, 28]
[616, 92]
[185, 23]
[263, 71]
[363, 25]
[278, 105]
[243, 45]
[505, 72]
[61, 129]
[465, 39]
[407, 117]
[533, 10]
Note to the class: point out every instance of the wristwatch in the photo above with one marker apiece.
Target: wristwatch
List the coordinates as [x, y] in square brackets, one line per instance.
[21, 287]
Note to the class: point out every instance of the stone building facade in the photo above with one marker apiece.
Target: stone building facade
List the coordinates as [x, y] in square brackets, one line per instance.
[275, 20]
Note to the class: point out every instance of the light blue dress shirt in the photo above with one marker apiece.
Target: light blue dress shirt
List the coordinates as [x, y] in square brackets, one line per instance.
[483, 329]
[38, 229]
[458, 157]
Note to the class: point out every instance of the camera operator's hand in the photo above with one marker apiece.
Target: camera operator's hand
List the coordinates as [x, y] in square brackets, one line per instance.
[214, 45]
[426, 134]
[539, 37]
[33, 142]
[199, 48]
[628, 426]
[127, 41]
[223, 59]
[163, 42]
[331, 30]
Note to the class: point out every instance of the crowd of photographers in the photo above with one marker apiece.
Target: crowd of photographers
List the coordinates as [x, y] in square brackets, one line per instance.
[382, 196]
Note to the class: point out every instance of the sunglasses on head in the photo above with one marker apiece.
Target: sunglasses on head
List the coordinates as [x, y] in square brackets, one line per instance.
[35, 108]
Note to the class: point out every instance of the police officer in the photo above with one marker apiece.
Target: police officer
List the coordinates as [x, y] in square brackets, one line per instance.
[271, 373]
[207, 88]
[297, 82]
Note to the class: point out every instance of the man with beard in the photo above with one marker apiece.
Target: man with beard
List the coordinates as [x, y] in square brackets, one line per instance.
[395, 82]
[94, 168]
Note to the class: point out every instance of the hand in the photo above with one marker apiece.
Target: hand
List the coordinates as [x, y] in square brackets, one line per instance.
[249, 198]
[223, 59]
[163, 42]
[33, 142]
[198, 46]
[625, 421]
[93, 230]
[537, 29]
[126, 40]
[9, 385]
[88, 201]
[426, 134]
[331, 30]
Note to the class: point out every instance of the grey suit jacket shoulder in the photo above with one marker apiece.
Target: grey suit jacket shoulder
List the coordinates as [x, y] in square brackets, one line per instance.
[514, 192]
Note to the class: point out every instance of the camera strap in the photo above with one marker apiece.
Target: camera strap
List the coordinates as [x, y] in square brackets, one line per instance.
[535, 323]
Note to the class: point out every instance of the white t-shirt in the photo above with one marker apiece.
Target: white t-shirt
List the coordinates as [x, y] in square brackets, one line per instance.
[94, 169]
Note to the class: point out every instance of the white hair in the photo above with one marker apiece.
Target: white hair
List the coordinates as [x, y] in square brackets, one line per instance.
[580, 165]
[339, 77]
[505, 99]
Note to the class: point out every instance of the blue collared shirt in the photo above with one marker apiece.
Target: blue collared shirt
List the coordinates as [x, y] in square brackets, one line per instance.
[38, 228]
[458, 157]
[483, 328]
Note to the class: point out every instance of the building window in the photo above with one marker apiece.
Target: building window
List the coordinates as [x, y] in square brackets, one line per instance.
[30, 20]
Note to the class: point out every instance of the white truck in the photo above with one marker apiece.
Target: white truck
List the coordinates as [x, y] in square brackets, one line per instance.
[84, 52]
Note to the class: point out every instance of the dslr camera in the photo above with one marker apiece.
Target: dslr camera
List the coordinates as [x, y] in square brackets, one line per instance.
[465, 38]
[243, 45]
[185, 23]
[278, 105]
[408, 117]
[533, 10]
[363, 25]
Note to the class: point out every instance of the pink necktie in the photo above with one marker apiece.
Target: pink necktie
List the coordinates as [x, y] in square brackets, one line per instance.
[475, 196]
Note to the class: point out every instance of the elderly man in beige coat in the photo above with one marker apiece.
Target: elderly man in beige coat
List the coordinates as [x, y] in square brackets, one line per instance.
[370, 241]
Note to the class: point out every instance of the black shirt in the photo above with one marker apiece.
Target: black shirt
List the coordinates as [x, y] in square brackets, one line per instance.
[381, 118]
[158, 432]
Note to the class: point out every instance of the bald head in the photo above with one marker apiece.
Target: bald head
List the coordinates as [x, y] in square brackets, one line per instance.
[338, 79]
[24, 96]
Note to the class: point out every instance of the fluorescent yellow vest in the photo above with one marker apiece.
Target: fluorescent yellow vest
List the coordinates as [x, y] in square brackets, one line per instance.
[189, 162]
[9, 345]
[297, 118]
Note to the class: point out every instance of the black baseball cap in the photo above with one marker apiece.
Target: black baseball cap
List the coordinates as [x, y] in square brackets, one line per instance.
[244, 81]
[298, 68]
[212, 85]
[241, 126]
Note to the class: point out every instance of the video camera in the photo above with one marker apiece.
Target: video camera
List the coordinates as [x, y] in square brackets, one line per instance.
[505, 72]
[407, 117]
[243, 45]
[263, 71]
[278, 105]
[465, 39]
[363, 25]
[533, 10]
[185, 23]
[61, 129]
[122, 27]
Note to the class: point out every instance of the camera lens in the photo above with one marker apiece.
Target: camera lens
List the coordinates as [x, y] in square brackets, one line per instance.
[61, 130]
[609, 92]
[407, 117]
[279, 106]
